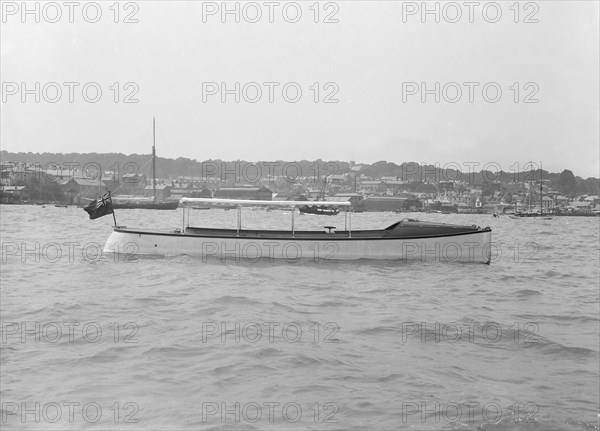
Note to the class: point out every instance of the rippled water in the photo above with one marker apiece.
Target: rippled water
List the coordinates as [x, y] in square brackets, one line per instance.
[359, 345]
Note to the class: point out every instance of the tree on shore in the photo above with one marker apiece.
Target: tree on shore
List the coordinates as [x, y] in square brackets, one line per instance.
[567, 184]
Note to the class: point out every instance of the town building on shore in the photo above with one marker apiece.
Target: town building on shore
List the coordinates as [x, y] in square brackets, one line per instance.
[392, 203]
[246, 193]
[163, 192]
[13, 194]
[76, 188]
[356, 199]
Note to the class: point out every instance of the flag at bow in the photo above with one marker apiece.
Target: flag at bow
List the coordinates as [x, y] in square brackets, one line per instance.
[100, 207]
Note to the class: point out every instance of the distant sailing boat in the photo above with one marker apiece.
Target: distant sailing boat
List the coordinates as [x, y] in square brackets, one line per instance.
[530, 213]
[154, 205]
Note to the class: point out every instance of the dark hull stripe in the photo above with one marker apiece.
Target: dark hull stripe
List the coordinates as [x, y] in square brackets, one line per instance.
[328, 238]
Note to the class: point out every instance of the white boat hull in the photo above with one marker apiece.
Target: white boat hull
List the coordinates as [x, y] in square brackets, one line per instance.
[473, 247]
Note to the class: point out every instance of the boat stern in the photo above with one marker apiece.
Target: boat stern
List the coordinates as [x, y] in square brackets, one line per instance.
[429, 241]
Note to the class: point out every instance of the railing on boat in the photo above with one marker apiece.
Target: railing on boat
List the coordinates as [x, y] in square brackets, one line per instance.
[239, 203]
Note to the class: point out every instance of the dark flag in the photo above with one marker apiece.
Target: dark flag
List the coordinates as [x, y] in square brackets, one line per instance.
[100, 207]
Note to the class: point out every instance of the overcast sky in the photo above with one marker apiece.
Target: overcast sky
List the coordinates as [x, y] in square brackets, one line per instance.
[370, 57]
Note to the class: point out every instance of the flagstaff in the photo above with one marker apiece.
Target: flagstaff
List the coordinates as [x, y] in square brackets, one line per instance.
[113, 210]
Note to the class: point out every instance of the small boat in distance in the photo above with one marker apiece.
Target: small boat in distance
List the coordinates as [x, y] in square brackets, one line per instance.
[318, 210]
[146, 205]
[407, 239]
[141, 203]
[534, 215]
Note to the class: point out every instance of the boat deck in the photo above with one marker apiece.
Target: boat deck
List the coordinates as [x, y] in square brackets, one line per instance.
[400, 230]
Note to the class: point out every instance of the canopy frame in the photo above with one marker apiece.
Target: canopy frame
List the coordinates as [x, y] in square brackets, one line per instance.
[254, 203]
[187, 203]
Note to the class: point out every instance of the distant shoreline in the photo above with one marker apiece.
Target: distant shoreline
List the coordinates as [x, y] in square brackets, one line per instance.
[571, 214]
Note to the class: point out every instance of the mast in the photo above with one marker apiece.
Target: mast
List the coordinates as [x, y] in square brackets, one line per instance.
[529, 195]
[541, 190]
[154, 158]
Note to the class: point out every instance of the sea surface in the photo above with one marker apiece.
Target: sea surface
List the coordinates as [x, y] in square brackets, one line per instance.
[92, 341]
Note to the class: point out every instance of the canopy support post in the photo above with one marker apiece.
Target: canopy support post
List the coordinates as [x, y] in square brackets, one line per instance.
[293, 230]
[345, 218]
[350, 225]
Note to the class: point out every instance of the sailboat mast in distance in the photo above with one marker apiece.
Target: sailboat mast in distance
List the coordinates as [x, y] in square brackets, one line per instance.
[154, 158]
[541, 190]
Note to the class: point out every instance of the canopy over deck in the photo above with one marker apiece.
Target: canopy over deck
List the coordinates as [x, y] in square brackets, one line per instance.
[251, 203]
